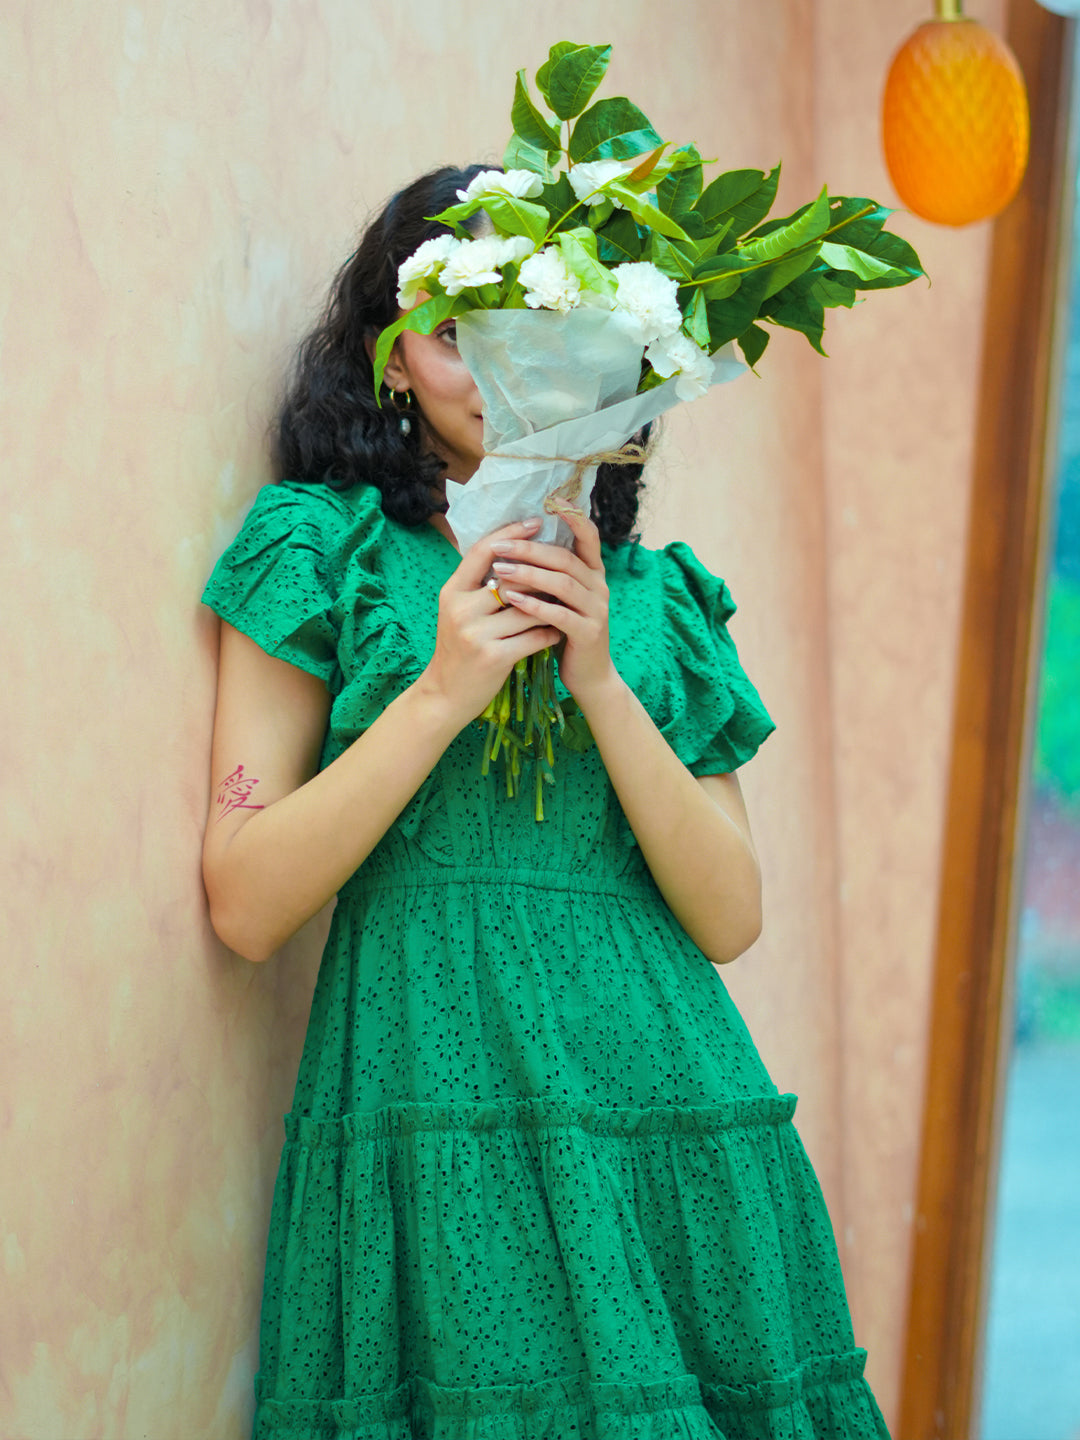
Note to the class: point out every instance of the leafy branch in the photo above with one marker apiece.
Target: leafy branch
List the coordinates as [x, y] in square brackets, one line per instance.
[602, 167]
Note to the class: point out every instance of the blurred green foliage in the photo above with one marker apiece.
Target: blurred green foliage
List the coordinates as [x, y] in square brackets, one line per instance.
[1057, 744]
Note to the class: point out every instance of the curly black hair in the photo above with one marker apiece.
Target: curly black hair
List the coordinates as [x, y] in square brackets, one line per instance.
[330, 429]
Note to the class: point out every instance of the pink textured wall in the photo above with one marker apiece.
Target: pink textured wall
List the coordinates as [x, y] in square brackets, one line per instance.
[181, 181]
[897, 465]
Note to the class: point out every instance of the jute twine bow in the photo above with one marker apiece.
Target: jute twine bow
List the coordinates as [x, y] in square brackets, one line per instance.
[568, 493]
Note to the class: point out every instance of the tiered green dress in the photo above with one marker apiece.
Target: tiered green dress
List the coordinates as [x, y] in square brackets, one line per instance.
[536, 1183]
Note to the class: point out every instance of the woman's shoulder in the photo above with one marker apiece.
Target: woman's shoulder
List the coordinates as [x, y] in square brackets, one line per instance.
[286, 502]
[279, 580]
[671, 576]
[293, 519]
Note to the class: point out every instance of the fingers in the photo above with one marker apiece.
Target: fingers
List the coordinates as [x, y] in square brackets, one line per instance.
[586, 536]
[478, 619]
[549, 558]
[476, 562]
[505, 624]
[579, 626]
[531, 641]
[558, 583]
[513, 540]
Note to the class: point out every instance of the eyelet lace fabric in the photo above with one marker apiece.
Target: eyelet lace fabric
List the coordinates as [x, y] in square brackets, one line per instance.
[536, 1183]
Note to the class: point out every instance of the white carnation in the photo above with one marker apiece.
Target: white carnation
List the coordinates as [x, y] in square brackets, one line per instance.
[551, 285]
[521, 184]
[649, 297]
[678, 355]
[477, 262]
[424, 262]
[592, 175]
[514, 249]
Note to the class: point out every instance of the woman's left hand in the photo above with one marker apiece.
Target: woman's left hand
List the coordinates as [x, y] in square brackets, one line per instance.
[567, 589]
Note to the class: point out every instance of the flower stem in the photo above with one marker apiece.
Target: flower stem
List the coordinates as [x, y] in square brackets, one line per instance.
[520, 721]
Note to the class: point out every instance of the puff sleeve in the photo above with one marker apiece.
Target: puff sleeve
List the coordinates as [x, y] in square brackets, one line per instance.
[275, 582]
[715, 718]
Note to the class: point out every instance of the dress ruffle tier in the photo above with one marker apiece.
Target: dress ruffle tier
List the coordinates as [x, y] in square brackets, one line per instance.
[536, 1184]
[820, 1401]
[422, 1225]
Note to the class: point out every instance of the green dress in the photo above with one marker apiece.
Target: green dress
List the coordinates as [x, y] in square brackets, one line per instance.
[536, 1183]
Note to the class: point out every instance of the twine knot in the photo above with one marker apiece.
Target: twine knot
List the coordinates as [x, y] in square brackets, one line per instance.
[568, 494]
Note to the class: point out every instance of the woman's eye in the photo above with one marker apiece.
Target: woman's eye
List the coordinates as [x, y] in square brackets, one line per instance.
[448, 334]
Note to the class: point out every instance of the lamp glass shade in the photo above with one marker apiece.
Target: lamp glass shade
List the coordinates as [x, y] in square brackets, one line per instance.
[955, 122]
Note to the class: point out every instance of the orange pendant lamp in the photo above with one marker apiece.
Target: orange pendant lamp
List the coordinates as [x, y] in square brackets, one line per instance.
[955, 120]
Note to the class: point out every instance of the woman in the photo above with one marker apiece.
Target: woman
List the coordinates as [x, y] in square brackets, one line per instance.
[536, 1181]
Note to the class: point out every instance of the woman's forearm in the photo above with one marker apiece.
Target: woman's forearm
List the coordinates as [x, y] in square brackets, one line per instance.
[268, 868]
[701, 859]
[284, 863]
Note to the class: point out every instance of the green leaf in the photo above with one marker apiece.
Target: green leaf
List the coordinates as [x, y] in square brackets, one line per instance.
[518, 217]
[833, 290]
[797, 308]
[456, 215]
[809, 224]
[731, 262]
[528, 122]
[645, 213]
[570, 75]
[789, 269]
[744, 197]
[856, 221]
[648, 169]
[679, 191]
[860, 263]
[699, 230]
[576, 735]
[709, 240]
[620, 241]
[581, 260]
[423, 319]
[601, 210]
[721, 287]
[520, 155]
[659, 169]
[697, 322]
[555, 54]
[730, 317]
[899, 255]
[559, 199]
[859, 223]
[896, 253]
[612, 130]
[727, 191]
[752, 343]
[672, 259]
[585, 236]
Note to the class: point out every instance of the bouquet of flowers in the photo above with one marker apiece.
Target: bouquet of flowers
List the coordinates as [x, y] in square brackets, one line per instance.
[605, 283]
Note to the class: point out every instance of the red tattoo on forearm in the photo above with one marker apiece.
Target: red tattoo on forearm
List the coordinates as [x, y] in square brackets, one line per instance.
[234, 793]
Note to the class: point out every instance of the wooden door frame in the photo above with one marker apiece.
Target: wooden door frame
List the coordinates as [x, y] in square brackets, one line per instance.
[987, 786]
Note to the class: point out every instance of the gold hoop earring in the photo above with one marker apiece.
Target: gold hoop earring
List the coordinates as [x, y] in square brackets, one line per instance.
[404, 422]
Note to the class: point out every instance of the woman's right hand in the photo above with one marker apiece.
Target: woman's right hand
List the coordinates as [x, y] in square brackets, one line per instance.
[478, 642]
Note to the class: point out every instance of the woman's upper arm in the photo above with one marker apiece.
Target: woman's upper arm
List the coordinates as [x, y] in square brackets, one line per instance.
[726, 793]
[269, 728]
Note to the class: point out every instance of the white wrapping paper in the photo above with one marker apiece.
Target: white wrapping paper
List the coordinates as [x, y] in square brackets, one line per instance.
[553, 386]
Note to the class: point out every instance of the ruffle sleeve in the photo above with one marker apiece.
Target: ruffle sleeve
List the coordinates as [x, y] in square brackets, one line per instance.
[711, 714]
[276, 581]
